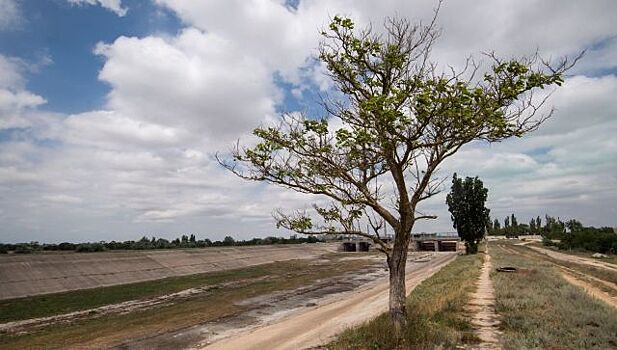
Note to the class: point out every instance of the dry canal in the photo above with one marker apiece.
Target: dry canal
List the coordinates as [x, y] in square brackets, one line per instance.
[35, 274]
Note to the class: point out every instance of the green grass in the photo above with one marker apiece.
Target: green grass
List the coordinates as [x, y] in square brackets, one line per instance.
[115, 329]
[436, 314]
[539, 309]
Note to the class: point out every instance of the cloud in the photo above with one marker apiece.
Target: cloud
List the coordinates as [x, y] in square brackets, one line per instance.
[10, 15]
[143, 162]
[114, 6]
[195, 81]
[14, 98]
[11, 72]
[62, 199]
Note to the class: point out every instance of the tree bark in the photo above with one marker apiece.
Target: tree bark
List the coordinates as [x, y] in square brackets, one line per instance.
[471, 247]
[397, 263]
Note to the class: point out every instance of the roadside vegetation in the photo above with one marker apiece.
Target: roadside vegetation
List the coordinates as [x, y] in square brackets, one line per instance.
[436, 314]
[603, 279]
[113, 329]
[610, 258]
[539, 309]
[565, 235]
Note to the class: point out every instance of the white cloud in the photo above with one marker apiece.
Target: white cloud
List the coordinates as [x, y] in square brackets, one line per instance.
[114, 6]
[14, 98]
[10, 15]
[195, 81]
[62, 198]
[144, 163]
[11, 72]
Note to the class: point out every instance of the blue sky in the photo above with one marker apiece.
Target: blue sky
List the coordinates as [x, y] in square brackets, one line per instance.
[111, 110]
[59, 38]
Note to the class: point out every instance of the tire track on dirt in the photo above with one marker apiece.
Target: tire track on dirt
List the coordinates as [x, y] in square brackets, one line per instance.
[574, 276]
[320, 324]
[590, 289]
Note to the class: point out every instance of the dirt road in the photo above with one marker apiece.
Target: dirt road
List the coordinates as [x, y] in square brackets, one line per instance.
[590, 289]
[578, 278]
[575, 259]
[321, 323]
[482, 306]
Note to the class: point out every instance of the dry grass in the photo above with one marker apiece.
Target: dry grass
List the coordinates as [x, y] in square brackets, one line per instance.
[611, 258]
[588, 273]
[539, 309]
[437, 317]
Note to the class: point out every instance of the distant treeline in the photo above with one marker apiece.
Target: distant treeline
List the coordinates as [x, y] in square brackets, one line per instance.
[511, 227]
[570, 234]
[145, 243]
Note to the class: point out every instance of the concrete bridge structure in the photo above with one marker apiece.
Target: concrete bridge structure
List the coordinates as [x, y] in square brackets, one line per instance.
[438, 242]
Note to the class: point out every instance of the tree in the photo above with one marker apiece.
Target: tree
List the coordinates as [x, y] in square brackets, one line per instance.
[489, 226]
[497, 226]
[400, 117]
[228, 240]
[574, 225]
[466, 202]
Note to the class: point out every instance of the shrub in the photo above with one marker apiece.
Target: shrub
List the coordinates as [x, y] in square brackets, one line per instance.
[90, 247]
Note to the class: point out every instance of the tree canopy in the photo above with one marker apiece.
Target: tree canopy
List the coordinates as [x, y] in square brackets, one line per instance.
[375, 153]
[467, 204]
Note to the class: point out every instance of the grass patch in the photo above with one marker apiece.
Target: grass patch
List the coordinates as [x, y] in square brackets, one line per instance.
[436, 313]
[539, 309]
[111, 330]
[597, 272]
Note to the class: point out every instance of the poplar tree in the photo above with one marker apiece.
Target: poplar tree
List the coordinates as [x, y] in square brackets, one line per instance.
[467, 205]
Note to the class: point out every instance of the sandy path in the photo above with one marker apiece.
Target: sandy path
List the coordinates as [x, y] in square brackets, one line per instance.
[482, 305]
[320, 324]
[575, 259]
[590, 289]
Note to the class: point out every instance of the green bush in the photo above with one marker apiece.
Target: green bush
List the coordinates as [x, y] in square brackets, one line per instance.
[602, 240]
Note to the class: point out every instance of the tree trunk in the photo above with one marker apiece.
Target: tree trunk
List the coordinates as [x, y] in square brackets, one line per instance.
[471, 247]
[396, 264]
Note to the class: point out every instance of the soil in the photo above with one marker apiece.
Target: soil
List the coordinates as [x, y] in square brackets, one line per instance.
[290, 319]
[576, 259]
[316, 324]
[590, 289]
[25, 326]
[573, 276]
[482, 306]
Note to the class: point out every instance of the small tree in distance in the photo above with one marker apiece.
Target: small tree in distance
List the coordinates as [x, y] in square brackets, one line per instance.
[401, 118]
[470, 217]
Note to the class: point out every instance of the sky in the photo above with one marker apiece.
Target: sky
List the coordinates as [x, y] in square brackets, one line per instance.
[111, 111]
